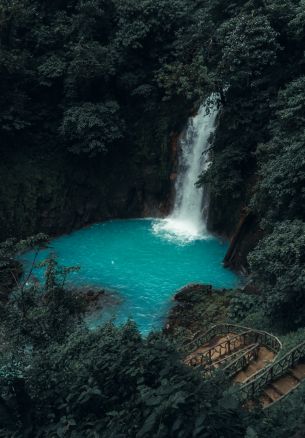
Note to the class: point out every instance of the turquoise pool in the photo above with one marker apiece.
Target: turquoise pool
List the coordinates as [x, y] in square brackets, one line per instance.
[143, 263]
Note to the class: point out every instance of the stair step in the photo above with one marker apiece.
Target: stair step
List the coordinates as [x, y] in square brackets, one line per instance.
[248, 372]
[298, 371]
[293, 378]
[240, 377]
[252, 368]
[206, 345]
[285, 383]
[272, 393]
[265, 356]
[265, 399]
[277, 388]
[295, 374]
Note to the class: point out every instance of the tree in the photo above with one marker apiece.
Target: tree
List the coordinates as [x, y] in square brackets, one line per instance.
[277, 267]
[280, 191]
[111, 382]
[248, 49]
[92, 128]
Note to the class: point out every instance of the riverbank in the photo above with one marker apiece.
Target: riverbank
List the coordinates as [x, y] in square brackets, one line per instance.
[196, 307]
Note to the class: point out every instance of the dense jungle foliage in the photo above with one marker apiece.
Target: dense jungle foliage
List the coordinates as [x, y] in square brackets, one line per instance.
[85, 80]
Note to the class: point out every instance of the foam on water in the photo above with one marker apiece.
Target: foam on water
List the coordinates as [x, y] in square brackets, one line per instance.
[182, 230]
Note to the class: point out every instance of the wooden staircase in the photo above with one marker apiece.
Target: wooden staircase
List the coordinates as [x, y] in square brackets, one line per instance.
[249, 357]
[274, 382]
[279, 388]
[218, 348]
[235, 348]
[264, 358]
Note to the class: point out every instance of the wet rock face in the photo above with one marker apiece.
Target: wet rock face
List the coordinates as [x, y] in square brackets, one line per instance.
[224, 215]
[245, 238]
[62, 193]
[55, 192]
[240, 226]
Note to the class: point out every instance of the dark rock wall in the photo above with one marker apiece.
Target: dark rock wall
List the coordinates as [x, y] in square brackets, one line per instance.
[58, 193]
[233, 221]
[44, 188]
[245, 238]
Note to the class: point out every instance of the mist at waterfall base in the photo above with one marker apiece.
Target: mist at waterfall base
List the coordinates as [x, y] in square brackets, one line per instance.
[145, 261]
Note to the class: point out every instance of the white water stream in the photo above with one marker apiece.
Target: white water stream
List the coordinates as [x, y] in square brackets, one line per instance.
[189, 216]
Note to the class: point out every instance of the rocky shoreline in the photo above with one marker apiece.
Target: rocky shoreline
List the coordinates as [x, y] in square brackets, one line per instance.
[96, 298]
[196, 307]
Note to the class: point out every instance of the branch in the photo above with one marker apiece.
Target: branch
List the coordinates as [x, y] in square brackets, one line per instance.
[15, 279]
[31, 270]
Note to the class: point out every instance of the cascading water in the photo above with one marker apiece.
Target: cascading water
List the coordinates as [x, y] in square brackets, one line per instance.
[188, 219]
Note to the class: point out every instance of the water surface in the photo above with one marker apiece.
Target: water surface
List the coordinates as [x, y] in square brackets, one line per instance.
[143, 263]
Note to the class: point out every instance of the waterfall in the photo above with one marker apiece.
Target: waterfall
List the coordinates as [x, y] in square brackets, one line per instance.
[189, 216]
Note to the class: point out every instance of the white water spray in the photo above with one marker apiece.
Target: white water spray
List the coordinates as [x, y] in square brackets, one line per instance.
[188, 220]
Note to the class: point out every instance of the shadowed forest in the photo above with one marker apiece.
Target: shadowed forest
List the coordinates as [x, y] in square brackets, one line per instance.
[93, 97]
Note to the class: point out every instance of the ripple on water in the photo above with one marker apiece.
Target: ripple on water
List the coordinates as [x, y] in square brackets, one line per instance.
[144, 262]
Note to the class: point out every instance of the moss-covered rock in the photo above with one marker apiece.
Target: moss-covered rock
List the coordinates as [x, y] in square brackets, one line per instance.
[197, 306]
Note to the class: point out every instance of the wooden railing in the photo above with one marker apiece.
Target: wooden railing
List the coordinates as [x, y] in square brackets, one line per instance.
[268, 340]
[235, 355]
[224, 348]
[200, 338]
[254, 386]
[235, 362]
[245, 358]
[263, 338]
[219, 329]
